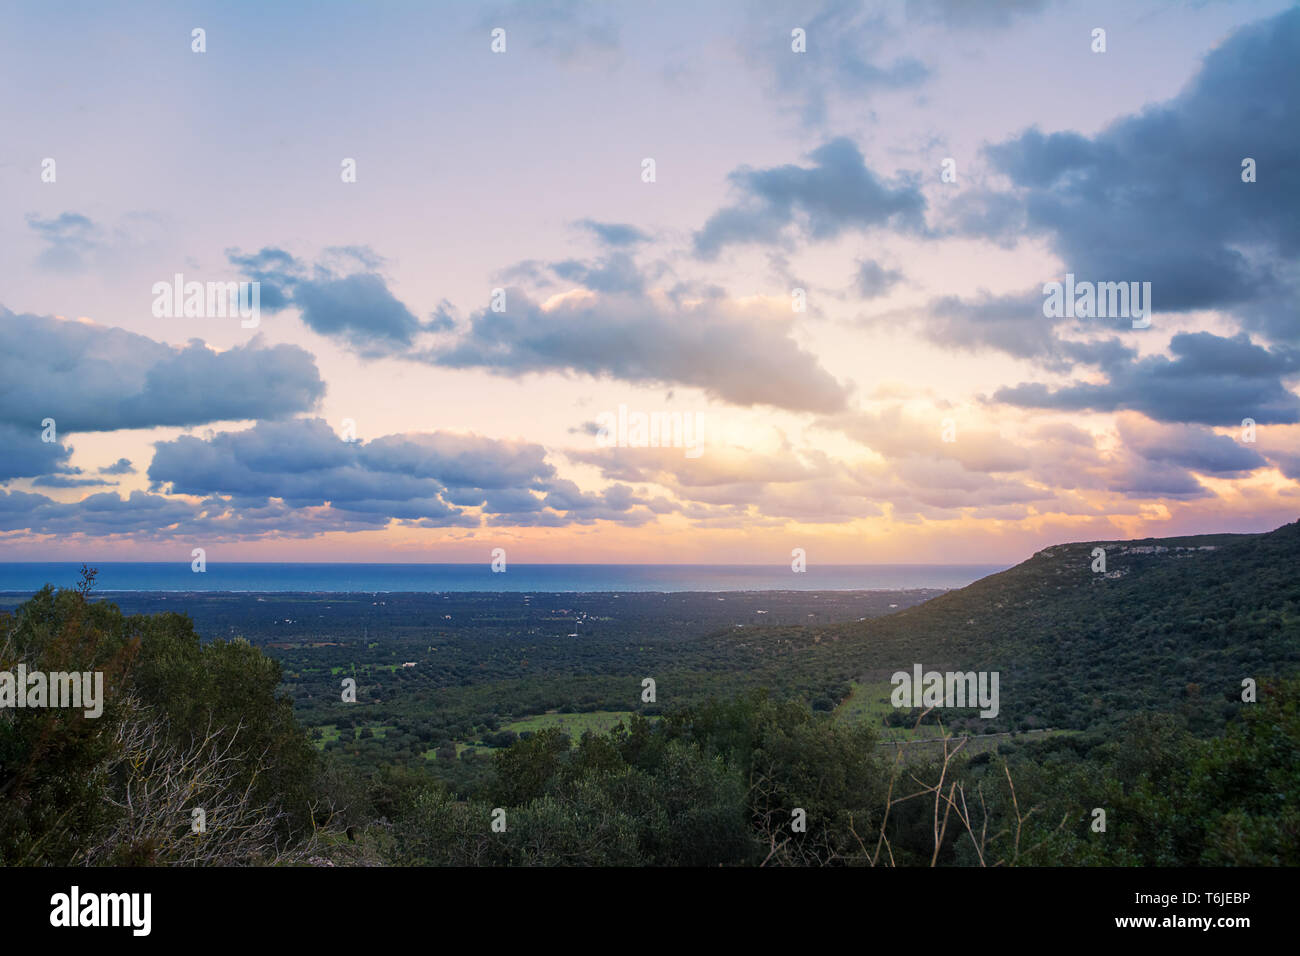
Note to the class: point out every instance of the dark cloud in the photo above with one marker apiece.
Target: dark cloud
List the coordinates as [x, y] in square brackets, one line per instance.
[149, 517]
[461, 460]
[1280, 444]
[1211, 380]
[1013, 324]
[615, 503]
[302, 462]
[359, 308]
[275, 270]
[68, 481]
[614, 273]
[873, 280]
[836, 194]
[443, 318]
[92, 378]
[429, 480]
[122, 466]
[1156, 479]
[104, 513]
[1158, 196]
[356, 307]
[24, 455]
[1287, 462]
[1190, 447]
[615, 234]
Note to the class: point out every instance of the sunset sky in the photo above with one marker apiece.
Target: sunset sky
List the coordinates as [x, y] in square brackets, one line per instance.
[522, 170]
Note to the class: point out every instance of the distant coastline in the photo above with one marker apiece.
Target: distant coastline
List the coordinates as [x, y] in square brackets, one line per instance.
[252, 578]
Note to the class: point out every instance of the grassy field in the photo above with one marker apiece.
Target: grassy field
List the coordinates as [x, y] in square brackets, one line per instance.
[597, 721]
[870, 703]
[331, 732]
[923, 748]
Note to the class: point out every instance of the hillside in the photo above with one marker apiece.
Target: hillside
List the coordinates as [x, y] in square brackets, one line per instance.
[1172, 624]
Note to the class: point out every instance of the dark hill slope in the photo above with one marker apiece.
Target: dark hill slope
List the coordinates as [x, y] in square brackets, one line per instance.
[1173, 624]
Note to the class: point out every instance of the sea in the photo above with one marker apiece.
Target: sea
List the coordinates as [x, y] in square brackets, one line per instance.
[24, 578]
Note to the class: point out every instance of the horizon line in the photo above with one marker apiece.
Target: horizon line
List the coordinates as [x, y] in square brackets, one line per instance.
[522, 564]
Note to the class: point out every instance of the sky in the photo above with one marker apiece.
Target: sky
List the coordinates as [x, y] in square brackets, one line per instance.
[490, 241]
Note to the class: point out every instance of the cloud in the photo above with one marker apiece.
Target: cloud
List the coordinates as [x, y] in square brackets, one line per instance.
[836, 194]
[70, 238]
[67, 481]
[427, 479]
[356, 307]
[894, 433]
[461, 460]
[736, 487]
[73, 243]
[98, 514]
[613, 326]
[615, 503]
[1015, 324]
[614, 273]
[122, 466]
[276, 272]
[572, 32]
[963, 14]
[1010, 323]
[1153, 461]
[91, 378]
[1158, 196]
[948, 484]
[1280, 444]
[873, 280]
[721, 467]
[849, 55]
[1211, 380]
[741, 353]
[616, 234]
[1155, 479]
[23, 454]
[1188, 446]
[142, 516]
